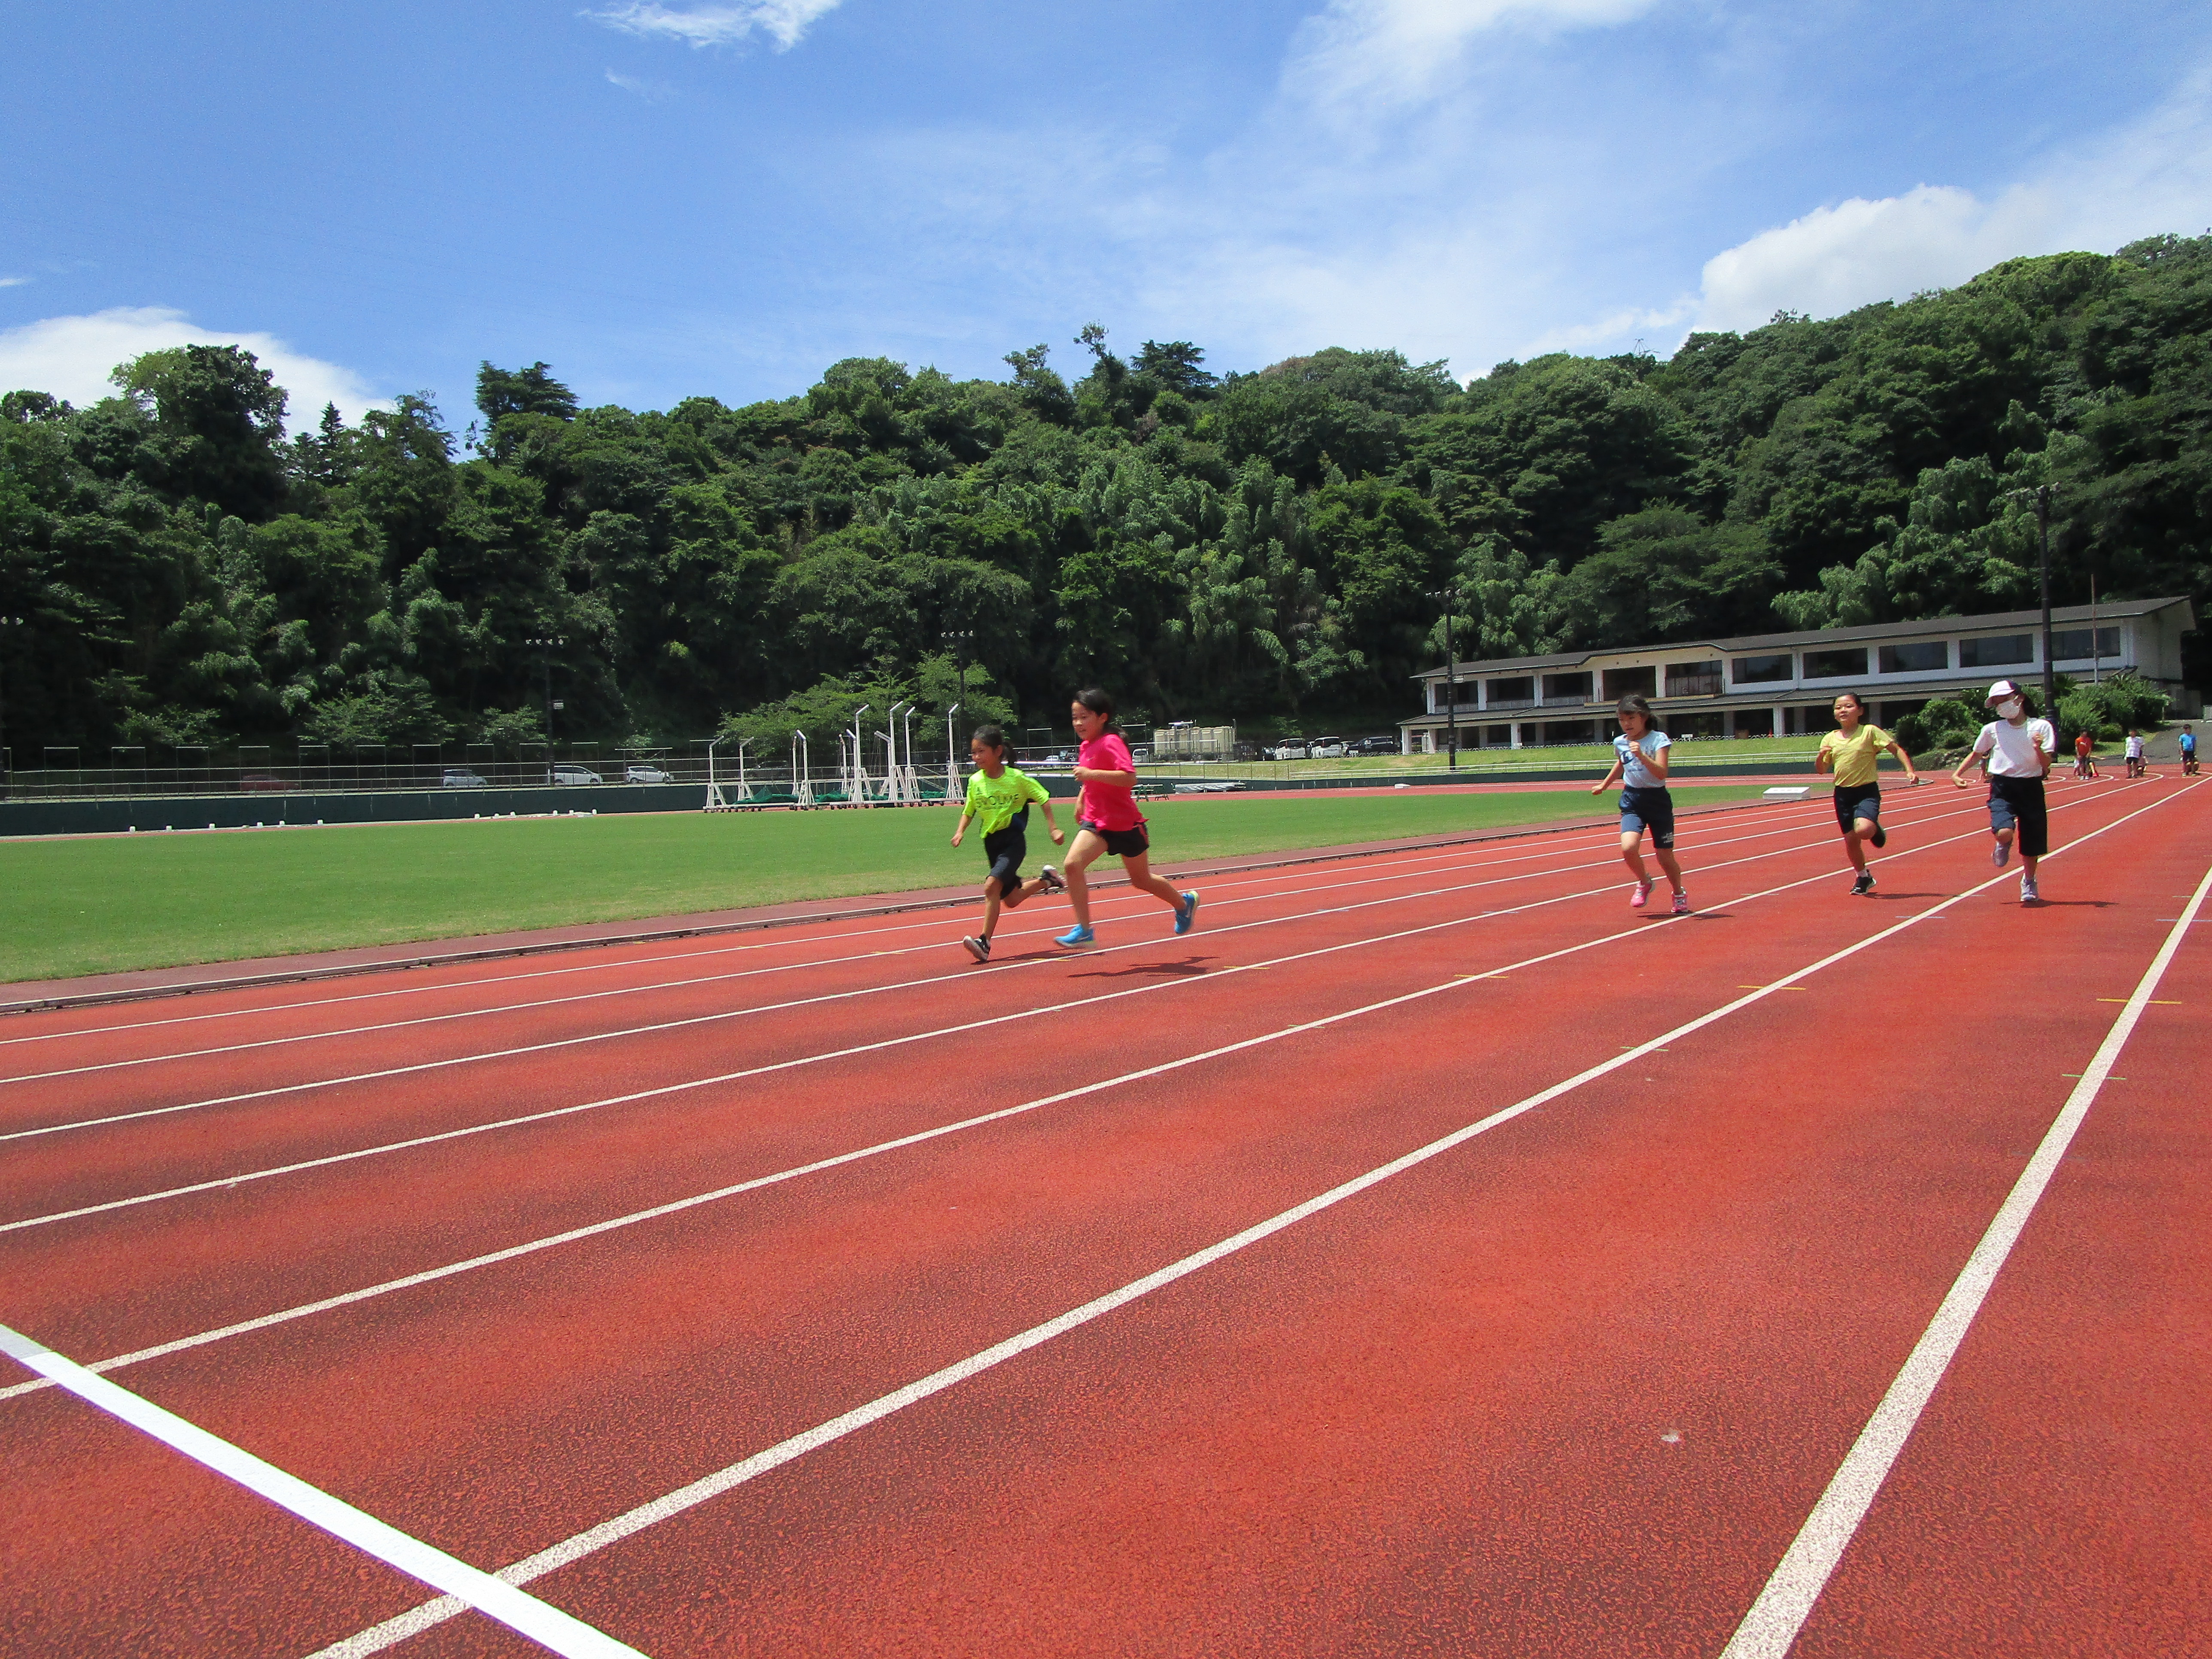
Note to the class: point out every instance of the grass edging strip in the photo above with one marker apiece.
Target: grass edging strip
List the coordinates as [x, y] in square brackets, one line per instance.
[756, 923]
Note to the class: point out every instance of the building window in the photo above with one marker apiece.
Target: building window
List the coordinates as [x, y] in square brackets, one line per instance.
[1566, 688]
[1757, 670]
[1443, 693]
[2072, 644]
[1843, 662]
[1558, 731]
[1517, 693]
[1997, 651]
[1928, 656]
[1621, 682]
[1693, 679]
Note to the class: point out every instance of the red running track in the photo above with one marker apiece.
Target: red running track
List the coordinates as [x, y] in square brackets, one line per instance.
[1570, 1386]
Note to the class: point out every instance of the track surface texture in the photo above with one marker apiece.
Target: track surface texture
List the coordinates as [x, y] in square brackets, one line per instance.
[1428, 1253]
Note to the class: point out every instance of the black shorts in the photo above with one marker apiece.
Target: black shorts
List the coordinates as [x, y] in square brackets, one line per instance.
[2016, 803]
[1121, 844]
[1857, 800]
[1649, 809]
[1006, 848]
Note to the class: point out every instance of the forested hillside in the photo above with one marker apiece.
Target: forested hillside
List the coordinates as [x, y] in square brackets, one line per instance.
[1253, 546]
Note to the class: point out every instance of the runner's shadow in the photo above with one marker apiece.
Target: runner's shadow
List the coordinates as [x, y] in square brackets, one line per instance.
[1183, 968]
[2069, 904]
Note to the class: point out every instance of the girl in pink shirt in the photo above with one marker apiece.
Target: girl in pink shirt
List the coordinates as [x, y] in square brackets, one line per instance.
[1107, 819]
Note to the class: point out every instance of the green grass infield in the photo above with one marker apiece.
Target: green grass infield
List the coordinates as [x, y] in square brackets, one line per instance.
[109, 903]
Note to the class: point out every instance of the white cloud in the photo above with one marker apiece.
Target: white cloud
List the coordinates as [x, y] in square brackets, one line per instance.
[2151, 177]
[13, 282]
[652, 91]
[72, 357]
[784, 21]
[1382, 52]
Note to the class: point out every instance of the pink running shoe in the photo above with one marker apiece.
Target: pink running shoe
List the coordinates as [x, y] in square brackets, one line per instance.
[1681, 902]
[1641, 896]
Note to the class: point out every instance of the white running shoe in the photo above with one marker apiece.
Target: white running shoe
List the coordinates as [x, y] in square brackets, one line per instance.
[2000, 854]
[2027, 893]
[978, 947]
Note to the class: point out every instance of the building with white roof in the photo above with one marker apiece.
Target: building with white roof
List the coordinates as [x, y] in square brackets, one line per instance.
[1782, 685]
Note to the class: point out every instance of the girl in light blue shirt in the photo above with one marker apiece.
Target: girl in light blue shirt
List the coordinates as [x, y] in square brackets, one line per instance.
[1640, 762]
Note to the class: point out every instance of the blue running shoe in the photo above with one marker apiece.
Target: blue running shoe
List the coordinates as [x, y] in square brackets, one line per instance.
[1187, 913]
[1076, 935]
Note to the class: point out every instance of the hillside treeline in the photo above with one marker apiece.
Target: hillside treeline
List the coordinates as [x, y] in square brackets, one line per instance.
[1261, 546]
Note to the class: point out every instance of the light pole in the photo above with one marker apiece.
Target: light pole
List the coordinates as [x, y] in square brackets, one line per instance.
[10, 627]
[1449, 596]
[2039, 498]
[959, 641]
[857, 794]
[952, 756]
[891, 719]
[547, 644]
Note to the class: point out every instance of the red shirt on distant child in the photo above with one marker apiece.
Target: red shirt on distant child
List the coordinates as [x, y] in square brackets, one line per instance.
[2082, 746]
[1103, 805]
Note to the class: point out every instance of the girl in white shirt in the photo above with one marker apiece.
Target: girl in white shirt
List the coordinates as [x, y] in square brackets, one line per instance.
[2018, 751]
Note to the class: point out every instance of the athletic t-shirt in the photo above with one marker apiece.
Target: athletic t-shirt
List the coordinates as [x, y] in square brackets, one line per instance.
[2188, 742]
[2134, 747]
[2082, 743]
[994, 802]
[1634, 774]
[2011, 749]
[1103, 805]
[1858, 755]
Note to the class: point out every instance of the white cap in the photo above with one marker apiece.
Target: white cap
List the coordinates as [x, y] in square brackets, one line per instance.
[2002, 690]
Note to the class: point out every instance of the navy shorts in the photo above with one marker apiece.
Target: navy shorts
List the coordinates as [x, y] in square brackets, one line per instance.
[1006, 848]
[1857, 800]
[1121, 844]
[2016, 803]
[1649, 809]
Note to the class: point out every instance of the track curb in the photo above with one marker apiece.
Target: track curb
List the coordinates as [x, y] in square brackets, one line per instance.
[757, 924]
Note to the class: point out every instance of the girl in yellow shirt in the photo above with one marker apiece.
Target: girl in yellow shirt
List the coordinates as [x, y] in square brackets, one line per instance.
[1853, 752]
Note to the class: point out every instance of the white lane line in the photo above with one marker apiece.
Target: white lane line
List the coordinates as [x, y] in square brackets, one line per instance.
[1275, 892]
[464, 1585]
[677, 1205]
[1365, 878]
[416, 1619]
[1113, 897]
[1771, 1627]
[963, 975]
[987, 1022]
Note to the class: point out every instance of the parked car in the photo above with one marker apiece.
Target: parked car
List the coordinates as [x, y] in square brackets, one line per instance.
[259, 783]
[459, 777]
[1291, 749]
[1325, 749]
[573, 773]
[640, 773]
[1373, 746]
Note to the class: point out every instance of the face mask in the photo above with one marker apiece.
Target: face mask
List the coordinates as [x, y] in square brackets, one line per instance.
[2009, 707]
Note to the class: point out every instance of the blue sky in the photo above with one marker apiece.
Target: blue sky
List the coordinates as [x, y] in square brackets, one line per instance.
[724, 198]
